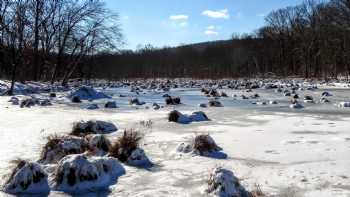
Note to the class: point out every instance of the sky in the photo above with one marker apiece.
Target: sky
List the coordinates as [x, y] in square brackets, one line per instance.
[174, 22]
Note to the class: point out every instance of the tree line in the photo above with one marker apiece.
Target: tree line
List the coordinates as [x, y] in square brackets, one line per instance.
[50, 40]
[310, 40]
[55, 40]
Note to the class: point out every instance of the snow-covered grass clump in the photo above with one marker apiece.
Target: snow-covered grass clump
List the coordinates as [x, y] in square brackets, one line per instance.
[203, 145]
[58, 147]
[92, 106]
[176, 116]
[214, 103]
[172, 100]
[344, 104]
[83, 128]
[87, 93]
[296, 105]
[27, 178]
[136, 101]
[111, 104]
[127, 149]
[78, 174]
[223, 183]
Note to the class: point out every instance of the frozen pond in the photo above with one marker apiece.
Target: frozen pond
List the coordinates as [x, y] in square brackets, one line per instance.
[305, 151]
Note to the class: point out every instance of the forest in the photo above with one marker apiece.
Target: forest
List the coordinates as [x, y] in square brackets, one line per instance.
[56, 40]
[311, 40]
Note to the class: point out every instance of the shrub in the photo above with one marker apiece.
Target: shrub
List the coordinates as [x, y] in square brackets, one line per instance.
[83, 128]
[214, 103]
[76, 99]
[59, 146]
[173, 116]
[98, 143]
[125, 145]
[204, 144]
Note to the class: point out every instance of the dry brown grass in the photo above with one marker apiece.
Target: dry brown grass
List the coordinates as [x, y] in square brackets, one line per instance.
[77, 129]
[257, 192]
[203, 144]
[125, 145]
[53, 142]
[173, 116]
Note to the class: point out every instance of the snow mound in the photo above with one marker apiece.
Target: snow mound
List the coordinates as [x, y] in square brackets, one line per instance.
[27, 177]
[214, 103]
[78, 174]
[14, 100]
[203, 145]
[308, 99]
[127, 149]
[28, 102]
[155, 106]
[83, 128]
[203, 105]
[296, 105]
[273, 102]
[138, 158]
[223, 183]
[92, 106]
[324, 100]
[344, 104]
[136, 101]
[176, 116]
[198, 116]
[98, 144]
[172, 101]
[111, 104]
[58, 147]
[87, 93]
[326, 94]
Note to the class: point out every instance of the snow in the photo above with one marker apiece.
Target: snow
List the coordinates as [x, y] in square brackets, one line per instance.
[93, 126]
[88, 93]
[79, 174]
[27, 178]
[138, 158]
[186, 119]
[305, 150]
[59, 146]
[344, 104]
[223, 183]
[111, 104]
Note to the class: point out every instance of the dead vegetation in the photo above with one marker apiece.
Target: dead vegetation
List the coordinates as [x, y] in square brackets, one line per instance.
[57, 147]
[205, 144]
[23, 175]
[173, 116]
[98, 142]
[125, 145]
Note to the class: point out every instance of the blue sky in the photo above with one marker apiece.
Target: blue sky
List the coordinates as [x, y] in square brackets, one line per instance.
[173, 22]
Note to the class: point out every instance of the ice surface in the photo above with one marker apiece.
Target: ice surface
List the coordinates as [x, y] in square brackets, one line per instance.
[274, 146]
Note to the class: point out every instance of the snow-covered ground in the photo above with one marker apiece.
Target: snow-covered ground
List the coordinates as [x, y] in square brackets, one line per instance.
[305, 152]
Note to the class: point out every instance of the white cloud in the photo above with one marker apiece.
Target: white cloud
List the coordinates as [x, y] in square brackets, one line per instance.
[183, 24]
[217, 14]
[180, 20]
[211, 33]
[211, 27]
[179, 17]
